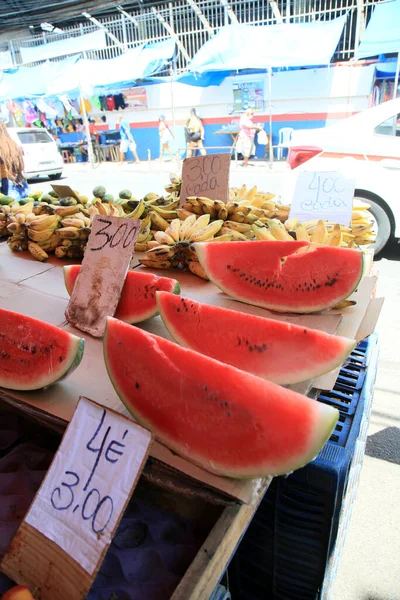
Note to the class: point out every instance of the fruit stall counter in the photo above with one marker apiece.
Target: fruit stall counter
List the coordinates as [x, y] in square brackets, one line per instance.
[220, 507]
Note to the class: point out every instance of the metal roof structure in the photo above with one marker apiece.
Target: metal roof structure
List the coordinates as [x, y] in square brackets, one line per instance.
[25, 13]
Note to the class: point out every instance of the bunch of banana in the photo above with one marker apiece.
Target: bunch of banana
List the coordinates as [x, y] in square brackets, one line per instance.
[361, 231]
[175, 183]
[16, 216]
[242, 211]
[145, 235]
[172, 246]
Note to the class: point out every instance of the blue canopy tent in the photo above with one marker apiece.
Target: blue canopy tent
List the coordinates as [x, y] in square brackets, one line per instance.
[382, 35]
[238, 47]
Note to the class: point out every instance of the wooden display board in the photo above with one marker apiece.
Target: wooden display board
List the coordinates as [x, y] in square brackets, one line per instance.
[37, 289]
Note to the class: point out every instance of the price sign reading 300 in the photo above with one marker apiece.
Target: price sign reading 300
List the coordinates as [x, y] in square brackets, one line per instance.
[206, 176]
[89, 482]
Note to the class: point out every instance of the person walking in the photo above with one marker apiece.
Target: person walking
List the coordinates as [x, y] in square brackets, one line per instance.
[11, 161]
[165, 137]
[194, 134]
[127, 141]
[247, 131]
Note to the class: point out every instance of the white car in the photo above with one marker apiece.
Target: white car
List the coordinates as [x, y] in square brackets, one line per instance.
[366, 146]
[41, 155]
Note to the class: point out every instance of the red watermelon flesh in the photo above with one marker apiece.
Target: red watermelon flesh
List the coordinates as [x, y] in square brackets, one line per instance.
[276, 276]
[223, 419]
[279, 351]
[34, 354]
[138, 301]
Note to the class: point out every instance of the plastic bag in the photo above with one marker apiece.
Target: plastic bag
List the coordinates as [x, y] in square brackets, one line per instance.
[262, 138]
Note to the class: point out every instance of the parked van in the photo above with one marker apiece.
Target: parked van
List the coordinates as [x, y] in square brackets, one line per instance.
[41, 155]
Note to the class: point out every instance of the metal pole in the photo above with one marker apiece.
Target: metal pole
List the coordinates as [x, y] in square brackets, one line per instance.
[86, 123]
[271, 148]
[396, 77]
[172, 73]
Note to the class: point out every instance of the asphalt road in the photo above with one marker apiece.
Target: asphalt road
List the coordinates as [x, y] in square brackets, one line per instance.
[370, 564]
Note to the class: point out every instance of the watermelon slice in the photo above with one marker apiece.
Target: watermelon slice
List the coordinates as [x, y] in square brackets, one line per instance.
[223, 419]
[275, 275]
[278, 351]
[34, 354]
[138, 301]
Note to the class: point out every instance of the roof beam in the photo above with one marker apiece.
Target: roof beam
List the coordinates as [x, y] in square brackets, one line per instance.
[230, 12]
[200, 16]
[276, 11]
[128, 16]
[172, 33]
[104, 28]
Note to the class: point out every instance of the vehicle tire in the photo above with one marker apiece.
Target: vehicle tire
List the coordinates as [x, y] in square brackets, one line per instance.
[55, 176]
[384, 230]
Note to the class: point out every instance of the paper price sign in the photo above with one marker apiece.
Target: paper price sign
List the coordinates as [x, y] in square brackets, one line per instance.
[323, 195]
[206, 176]
[99, 284]
[90, 482]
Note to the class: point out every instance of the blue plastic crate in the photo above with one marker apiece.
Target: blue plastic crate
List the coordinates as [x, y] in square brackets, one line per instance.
[305, 507]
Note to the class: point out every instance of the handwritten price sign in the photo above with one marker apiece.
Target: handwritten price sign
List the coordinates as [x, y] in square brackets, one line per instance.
[323, 195]
[105, 264]
[89, 483]
[206, 176]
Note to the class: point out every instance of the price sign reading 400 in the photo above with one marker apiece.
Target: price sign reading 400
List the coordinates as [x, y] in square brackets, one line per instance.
[206, 176]
[323, 195]
[89, 482]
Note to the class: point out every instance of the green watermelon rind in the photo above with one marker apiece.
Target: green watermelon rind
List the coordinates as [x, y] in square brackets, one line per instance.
[290, 379]
[70, 363]
[321, 433]
[200, 248]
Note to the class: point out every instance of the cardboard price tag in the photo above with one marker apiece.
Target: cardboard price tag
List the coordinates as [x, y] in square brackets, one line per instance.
[101, 278]
[78, 507]
[323, 195]
[64, 191]
[206, 176]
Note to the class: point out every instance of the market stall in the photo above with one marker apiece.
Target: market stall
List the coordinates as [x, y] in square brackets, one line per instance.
[186, 517]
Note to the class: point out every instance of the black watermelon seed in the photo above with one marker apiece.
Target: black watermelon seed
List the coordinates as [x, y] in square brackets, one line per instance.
[137, 385]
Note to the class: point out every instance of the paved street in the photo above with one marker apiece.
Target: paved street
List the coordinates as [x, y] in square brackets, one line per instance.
[370, 565]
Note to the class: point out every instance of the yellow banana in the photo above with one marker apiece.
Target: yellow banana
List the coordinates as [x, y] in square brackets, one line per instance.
[67, 211]
[223, 213]
[201, 222]
[103, 209]
[40, 236]
[72, 222]
[319, 234]
[278, 230]
[237, 217]
[240, 227]
[158, 221]
[207, 232]
[70, 233]
[251, 193]
[14, 228]
[335, 236]
[44, 222]
[144, 235]
[235, 235]
[51, 244]
[291, 224]
[183, 214]
[344, 304]
[87, 221]
[145, 222]
[185, 225]
[164, 238]
[138, 211]
[155, 264]
[61, 251]
[37, 252]
[174, 229]
[197, 269]
[226, 237]
[162, 252]
[263, 233]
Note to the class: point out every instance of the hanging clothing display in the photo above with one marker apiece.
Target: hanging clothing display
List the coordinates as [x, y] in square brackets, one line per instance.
[110, 103]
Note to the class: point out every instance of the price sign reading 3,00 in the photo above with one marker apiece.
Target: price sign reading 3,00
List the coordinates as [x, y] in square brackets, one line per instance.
[89, 482]
[206, 176]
